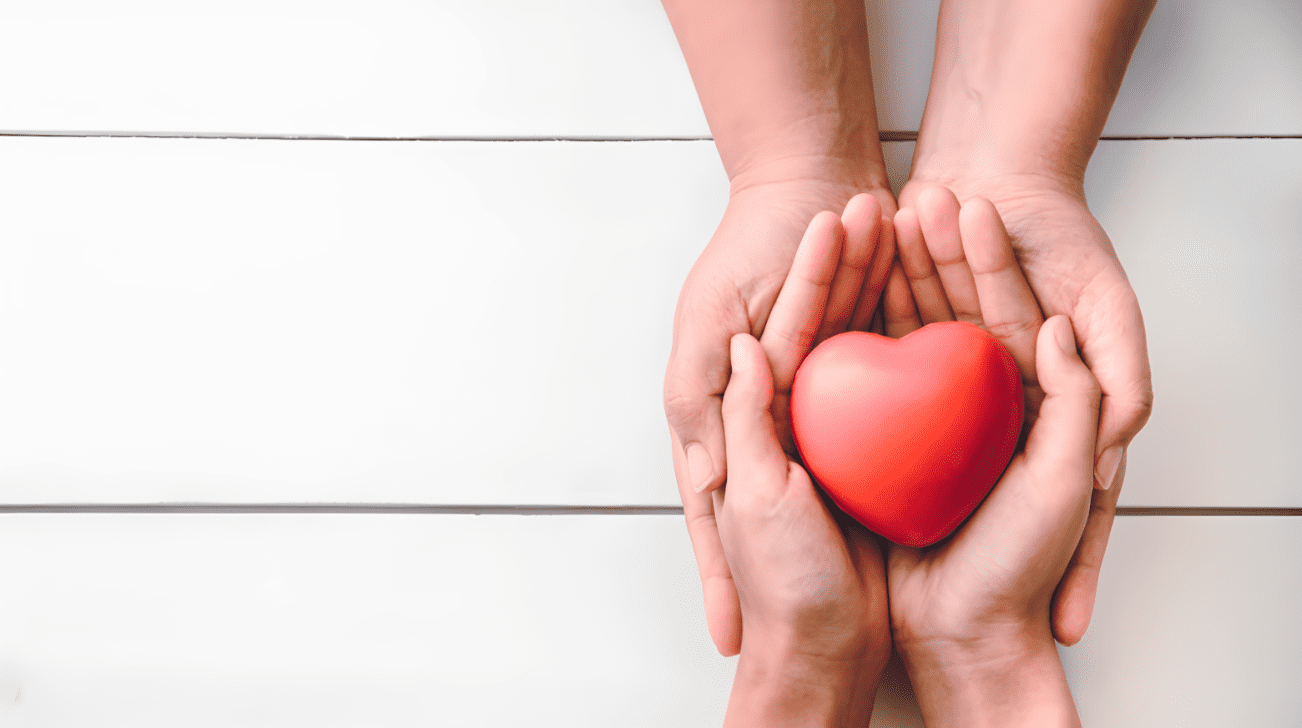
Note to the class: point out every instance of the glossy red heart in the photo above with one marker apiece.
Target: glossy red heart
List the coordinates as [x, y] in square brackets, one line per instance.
[908, 435]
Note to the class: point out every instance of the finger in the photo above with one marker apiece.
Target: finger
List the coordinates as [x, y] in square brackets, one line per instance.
[1061, 445]
[1008, 307]
[938, 213]
[862, 222]
[756, 458]
[693, 391]
[1073, 602]
[928, 292]
[798, 312]
[1059, 455]
[722, 604]
[1114, 346]
[879, 271]
[900, 317]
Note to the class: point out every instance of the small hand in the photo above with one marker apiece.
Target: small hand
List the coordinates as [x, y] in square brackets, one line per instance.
[971, 615]
[731, 290]
[811, 582]
[1071, 267]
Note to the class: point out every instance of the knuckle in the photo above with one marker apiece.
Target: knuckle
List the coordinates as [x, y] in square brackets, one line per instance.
[1012, 329]
[1134, 410]
[681, 409]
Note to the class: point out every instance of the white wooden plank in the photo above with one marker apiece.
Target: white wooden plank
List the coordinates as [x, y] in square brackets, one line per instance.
[578, 621]
[572, 68]
[347, 67]
[271, 321]
[1195, 625]
[239, 320]
[1209, 232]
[354, 620]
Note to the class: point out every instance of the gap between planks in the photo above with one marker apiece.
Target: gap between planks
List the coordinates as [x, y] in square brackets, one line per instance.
[511, 510]
[886, 136]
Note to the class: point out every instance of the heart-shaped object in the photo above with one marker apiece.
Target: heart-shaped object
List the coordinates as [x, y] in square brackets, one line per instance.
[908, 435]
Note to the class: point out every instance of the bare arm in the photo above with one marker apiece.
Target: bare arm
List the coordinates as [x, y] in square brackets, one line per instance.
[1019, 94]
[1025, 86]
[785, 86]
[787, 90]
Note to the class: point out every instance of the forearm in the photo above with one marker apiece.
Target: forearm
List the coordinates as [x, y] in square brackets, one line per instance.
[785, 86]
[779, 688]
[1024, 87]
[994, 684]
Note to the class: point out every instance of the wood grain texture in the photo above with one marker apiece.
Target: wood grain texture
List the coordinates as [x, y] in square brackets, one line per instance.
[238, 321]
[1209, 234]
[1195, 625]
[115, 620]
[246, 321]
[563, 68]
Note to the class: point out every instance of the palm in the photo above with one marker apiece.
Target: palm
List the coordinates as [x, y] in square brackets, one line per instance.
[986, 560]
[1071, 267]
[733, 288]
[828, 564]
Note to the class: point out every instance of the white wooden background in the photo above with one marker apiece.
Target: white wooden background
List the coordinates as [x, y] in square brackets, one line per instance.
[290, 291]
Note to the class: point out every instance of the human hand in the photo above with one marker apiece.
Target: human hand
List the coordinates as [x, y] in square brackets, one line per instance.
[811, 581]
[1073, 270]
[971, 615]
[730, 290]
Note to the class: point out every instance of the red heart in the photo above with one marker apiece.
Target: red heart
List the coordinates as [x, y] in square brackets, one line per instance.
[908, 435]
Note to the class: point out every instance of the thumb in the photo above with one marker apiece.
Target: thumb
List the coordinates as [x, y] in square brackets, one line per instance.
[1061, 444]
[750, 436]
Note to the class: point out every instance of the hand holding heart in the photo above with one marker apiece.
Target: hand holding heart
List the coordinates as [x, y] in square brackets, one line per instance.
[815, 634]
[970, 614]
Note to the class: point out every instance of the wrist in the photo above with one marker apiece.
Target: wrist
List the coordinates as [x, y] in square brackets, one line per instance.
[779, 685]
[818, 164]
[1024, 87]
[962, 137]
[1009, 677]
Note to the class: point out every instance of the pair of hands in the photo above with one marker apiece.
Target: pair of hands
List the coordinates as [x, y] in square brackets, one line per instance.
[1069, 264]
[969, 615]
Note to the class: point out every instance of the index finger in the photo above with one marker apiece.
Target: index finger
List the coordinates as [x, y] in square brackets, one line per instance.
[798, 313]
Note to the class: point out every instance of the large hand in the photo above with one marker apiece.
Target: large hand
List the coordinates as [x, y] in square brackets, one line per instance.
[971, 616]
[731, 290]
[1073, 270]
[811, 582]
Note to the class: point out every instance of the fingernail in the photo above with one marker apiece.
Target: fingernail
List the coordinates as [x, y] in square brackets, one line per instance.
[740, 357]
[1106, 467]
[700, 468]
[1066, 339]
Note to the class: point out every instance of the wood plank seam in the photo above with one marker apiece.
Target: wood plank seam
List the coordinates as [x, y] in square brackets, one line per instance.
[515, 510]
[885, 136]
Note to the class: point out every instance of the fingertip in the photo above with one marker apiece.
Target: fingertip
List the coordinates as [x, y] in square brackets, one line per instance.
[1065, 336]
[819, 250]
[1056, 342]
[1059, 366]
[862, 206]
[905, 217]
[936, 203]
[980, 210]
[986, 244]
[723, 616]
[1071, 618]
[737, 351]
[743, 350]
[824, 223]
